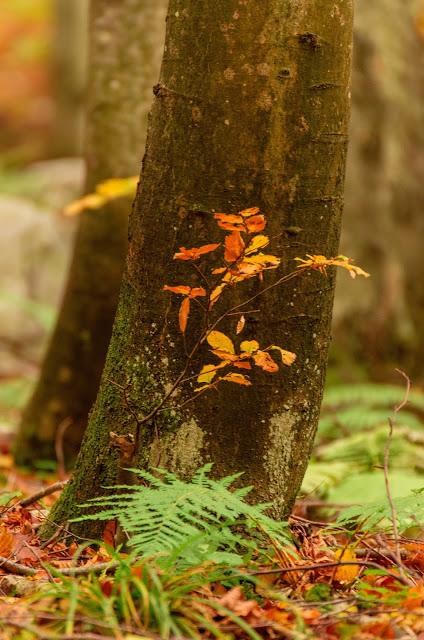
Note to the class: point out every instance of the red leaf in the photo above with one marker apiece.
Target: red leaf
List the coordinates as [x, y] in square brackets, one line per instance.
[109, 533]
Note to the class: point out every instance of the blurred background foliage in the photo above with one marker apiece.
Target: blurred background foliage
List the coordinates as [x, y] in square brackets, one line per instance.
[378, 324]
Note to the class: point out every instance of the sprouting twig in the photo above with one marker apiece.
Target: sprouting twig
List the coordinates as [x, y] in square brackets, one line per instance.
[387, 449]
[57, 486]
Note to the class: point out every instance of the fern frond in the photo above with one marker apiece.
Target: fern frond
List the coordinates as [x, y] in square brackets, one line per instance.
[409, 511]
[166, 514]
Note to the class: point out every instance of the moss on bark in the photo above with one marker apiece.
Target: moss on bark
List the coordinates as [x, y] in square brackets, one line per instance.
[125, 49]
[251, 110]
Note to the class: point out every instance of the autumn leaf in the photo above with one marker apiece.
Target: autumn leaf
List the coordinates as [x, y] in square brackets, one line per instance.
[183, 314]
[229, 221]
[195, 253]
[346, 573]
[257, 242]
[238, 378]
[320, 263]
[105, 192]
[181, 289]
[249, 346]
[240, 325]
[184, 290]
[218, 340]
[266, 261]
[255, 224]
[234, 247]
[247, 213]
[265, 362]
[224, 355]
[90, 201]
[6, 542]
[242, 364]
[216, 293]
[209, 371]
[287, 357]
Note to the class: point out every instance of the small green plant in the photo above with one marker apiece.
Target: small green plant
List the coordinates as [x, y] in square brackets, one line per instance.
[187, 523]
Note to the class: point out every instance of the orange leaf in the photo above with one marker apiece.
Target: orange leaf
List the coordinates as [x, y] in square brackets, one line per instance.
[181, 289]
[247, 213]
[238, 378]
[6, 542]
[195, 253]
[242, 364]
[255, 224]
[224, 355]
[234, 247]
[265, 362]
[197, 292]
[229, 221]
[240, 325]
[218, 340]
[183, 314]
[219, 270]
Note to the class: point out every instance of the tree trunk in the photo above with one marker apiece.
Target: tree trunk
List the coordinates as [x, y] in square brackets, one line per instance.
[251, 110]
[69, 76]
[126, 37]
[379, 327]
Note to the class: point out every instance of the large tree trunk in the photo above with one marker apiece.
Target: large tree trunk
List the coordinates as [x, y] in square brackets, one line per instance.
[384, 225]
[126, 45]
[251, 109]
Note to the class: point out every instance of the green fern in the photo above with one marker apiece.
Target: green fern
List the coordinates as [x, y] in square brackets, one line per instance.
[409, 511]
[189, 521]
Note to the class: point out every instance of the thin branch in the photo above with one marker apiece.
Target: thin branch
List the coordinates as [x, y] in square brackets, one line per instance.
[57, 486]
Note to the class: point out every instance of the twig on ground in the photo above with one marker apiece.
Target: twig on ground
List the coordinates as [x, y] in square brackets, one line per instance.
[329, 565]
[57, 486]
[21, 570]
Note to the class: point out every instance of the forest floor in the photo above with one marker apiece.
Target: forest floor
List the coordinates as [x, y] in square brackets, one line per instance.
[336, 581]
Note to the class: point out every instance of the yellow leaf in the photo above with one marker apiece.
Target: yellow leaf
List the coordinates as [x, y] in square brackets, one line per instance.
[218, 340]
[257, 242]
[238, 378]
[90, 201]
[288, 357]
[208, 372]
[216, 293]
[266, 261]
[117, 187]
[346, 573]
[249, 346]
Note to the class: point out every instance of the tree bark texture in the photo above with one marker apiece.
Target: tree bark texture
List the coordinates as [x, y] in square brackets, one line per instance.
[378, 323]
[126, 40]
[251, 110]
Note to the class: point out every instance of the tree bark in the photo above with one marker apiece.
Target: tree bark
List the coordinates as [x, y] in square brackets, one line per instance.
[126, 45]
[379, 326]
[251, 110]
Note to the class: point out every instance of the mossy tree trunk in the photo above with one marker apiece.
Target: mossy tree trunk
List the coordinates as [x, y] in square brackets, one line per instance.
[251, 110]
[126, 42]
